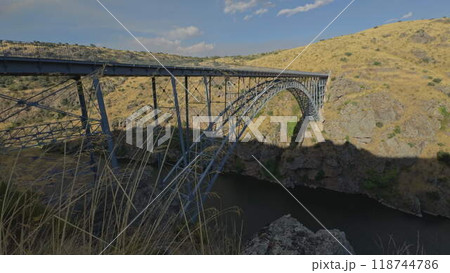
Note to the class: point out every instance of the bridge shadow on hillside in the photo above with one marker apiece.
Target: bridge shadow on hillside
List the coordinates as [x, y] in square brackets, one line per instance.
[411, 184]
[408, 183]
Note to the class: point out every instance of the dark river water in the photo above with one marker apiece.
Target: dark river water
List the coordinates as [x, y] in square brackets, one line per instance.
[365, 222]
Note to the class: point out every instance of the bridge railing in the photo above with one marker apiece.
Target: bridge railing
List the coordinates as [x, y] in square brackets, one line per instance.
[92, 53]
[76, 52]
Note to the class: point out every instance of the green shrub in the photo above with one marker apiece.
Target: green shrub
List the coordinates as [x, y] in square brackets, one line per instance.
[379, 124]
[291, 128]
[376, 181]
[272, 167]
[239, 165]
[433, 195]
[320, 175]
[377, 63]
[443, 157]
[446, 117]
[290, 158]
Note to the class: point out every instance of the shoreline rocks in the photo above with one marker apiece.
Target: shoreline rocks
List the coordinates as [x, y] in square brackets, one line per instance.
[287, 236]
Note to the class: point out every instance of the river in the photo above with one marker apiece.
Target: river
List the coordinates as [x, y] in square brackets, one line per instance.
[365, 222]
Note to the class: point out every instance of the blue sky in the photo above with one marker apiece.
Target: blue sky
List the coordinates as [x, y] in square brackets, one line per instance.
[202, 27]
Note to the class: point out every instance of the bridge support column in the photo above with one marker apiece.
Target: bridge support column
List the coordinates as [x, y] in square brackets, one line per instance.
[85, 122]
[155, 107]
[155, 96]
[84, 112]
[105, 123]
[180, 126]
[208, 97]
[186, 100]
[225, 96]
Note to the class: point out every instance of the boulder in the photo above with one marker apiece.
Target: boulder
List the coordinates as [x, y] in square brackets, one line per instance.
[287, 236]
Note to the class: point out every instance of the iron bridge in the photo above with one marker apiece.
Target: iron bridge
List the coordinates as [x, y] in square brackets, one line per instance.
[183, 91]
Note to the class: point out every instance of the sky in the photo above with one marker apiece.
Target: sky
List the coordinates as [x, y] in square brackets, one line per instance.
[202, 27]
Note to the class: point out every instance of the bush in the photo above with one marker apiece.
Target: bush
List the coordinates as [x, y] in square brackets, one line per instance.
[377, 63]
[320, 175]
[272, 167]
[379, 124]
[375, 181]
[348, 54]
[437, 80]
[443, 157]
[433, 195]
[239, 165]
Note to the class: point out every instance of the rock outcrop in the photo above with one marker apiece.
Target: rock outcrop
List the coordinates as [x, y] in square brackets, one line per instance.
[287, 236]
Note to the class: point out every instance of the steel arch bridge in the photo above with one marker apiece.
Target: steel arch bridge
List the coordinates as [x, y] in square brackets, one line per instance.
[222, 92]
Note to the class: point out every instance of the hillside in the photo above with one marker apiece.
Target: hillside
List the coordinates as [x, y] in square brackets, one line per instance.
[389, 95]
[389, 76]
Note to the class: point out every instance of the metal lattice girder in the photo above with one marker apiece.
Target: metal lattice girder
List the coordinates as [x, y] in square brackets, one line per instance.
[34, 66]
[43, 134]
[48, 100]
[209, 155]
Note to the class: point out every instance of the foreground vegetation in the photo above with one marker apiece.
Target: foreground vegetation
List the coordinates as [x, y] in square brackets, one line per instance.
[67, 209]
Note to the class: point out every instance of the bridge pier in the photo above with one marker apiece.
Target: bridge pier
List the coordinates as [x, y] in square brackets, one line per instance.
[105, 123]
[207, 83]
[85, 123]
[186, 101]
[179, 124]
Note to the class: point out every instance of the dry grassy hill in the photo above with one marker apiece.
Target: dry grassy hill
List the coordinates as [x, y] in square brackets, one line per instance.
[389, 84]
[389, 93]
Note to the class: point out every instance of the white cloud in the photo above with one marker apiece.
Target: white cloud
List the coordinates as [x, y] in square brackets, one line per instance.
[304, 8]
[232, 6]
[172, 42]
[406, 16]
[183, 33]
[160, 43]
[261, 11]
[196, 49]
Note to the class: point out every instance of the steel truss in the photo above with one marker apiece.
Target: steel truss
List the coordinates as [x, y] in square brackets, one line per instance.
[191, 91]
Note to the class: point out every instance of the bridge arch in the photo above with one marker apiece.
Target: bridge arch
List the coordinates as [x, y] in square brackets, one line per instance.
[249, 104]
[310, 103]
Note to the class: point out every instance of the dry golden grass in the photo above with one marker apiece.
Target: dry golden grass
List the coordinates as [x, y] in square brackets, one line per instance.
[397, 58]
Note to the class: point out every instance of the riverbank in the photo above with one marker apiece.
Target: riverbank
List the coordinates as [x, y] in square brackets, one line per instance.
[370, 227]
[412, 185]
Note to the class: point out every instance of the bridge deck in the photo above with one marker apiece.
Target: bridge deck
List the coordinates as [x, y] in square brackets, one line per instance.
[20, 66]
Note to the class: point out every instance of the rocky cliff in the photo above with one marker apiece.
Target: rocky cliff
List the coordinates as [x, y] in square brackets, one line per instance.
[287, 236]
